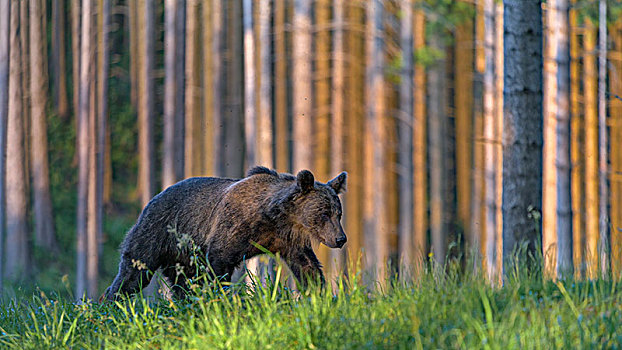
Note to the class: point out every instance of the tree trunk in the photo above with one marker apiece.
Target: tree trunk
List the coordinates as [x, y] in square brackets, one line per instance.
[603, 171]
[75, 51]
[463, 82]
[169, 176]
[208, 94]
[355, 123]
[134, 34]
[86, 51]
[17, 238]
[405, 129]
[498, 138]
[337, 142]
[250, 119]
[146, 109]
[522, 120]
[437, 135]
[4, 109]
[420, 183]
[302, 86]
[375, 183]
[217, 84]
[264, 118]
[25, 44]
[280, 88]
[576, 152]
[180, 83]
[58, 58]
[234, 122]
[615, 111]
[44, 221]
[557, 215]
[591, 150]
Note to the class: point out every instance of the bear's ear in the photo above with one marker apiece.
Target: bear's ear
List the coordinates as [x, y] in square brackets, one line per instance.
[305, 181]
[339, 183]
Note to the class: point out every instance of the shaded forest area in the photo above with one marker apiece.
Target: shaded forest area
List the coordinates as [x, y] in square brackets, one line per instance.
[456, 145]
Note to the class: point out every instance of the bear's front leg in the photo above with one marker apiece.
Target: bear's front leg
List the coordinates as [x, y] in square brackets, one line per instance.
[305, 266]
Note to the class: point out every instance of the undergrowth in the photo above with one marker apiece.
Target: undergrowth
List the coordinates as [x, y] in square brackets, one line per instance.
[448, 309]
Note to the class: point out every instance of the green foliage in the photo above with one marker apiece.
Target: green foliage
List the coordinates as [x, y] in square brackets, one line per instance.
[437, 310]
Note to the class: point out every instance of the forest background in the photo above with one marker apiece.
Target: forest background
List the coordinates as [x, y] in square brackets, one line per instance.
[108, 102]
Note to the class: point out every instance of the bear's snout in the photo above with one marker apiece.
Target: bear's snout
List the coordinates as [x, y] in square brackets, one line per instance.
[341, 241]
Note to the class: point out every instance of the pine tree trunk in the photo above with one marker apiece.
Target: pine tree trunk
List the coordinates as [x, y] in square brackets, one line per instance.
[75, 51]
[264, 117]
[4, 109]
[180, 83]
[146, 109]
[603, 171]
[355, 123]
[169, 176]
[498, 140]
[591, 149]
[58, 58]
[302, 86]
[337, 142]
[208, 94]
[522, 120]
[576, 152]
[557, 215]
[135, 42]
[217, 84]
[25, 44]
[437, 134]
[44, 221]
[420, 183]
[280, 88]
[233, 157]
[463, 80]
[250, 119]
[375, 183]
[17, 233]
[83, 148]
[615, 111]
[405, 129]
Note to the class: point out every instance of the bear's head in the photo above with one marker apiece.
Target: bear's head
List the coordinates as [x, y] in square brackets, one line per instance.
[318, 208]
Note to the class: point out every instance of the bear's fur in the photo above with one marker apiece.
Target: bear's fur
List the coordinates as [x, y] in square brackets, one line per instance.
[222, 218]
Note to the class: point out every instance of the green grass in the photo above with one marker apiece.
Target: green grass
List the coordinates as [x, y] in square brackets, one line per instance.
[437, 310]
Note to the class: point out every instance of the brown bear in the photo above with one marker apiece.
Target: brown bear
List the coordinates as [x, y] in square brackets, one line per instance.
[222, 218]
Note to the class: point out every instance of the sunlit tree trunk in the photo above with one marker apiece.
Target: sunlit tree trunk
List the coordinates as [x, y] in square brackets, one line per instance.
[556, 211]
[217, 84]
[4, 109]
[576, 151]
[280, 88]
[498, 139]
[615, 111]
[405, 128]
[522, 120]
[355, 122]
[375, 183]
[87, 50]
[134, 33]
[209, 95]
[234, 123]
[590, 77]
[169, 173]
[75, 52]
[146, 110]
[337, 126]
[603, 171]
[420, 183]
[322, 103]
[302, 86]
[25, 44]
[17, 233]
[58, 58]
[44, 221]
[463, 82]
[264, 117]
[250, 119]
[437, 134]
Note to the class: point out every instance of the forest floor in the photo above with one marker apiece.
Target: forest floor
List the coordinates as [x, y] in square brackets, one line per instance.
[437, 310]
